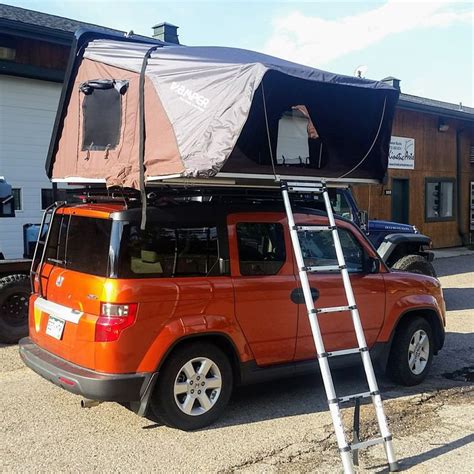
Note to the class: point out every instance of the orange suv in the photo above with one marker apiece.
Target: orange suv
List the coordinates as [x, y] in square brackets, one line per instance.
[171, 318]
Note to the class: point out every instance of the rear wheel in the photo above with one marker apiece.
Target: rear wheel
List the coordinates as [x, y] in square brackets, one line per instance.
[14, 295]
[415, 264]
[193, 387]
[412, 352]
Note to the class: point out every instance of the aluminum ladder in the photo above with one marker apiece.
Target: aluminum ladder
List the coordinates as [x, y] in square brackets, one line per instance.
[40, 248]
[347, 450]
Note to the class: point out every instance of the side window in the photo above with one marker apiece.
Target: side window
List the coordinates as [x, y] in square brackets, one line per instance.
[166, 251]
[318, 249]
[261, 248]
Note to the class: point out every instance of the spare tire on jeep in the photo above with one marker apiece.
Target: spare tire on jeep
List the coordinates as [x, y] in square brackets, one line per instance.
[14, 295]
[415, 264]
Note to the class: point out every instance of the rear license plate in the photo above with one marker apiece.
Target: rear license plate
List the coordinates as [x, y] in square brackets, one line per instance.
[55, 327]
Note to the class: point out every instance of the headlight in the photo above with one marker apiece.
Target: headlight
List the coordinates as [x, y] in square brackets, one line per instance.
[415, 230]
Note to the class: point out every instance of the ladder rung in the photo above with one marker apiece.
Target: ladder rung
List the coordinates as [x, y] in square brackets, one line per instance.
[343, 352]
[354, 396]
[306, 184]
[304, 189]
[322, 268]
[313, 228]
[42, 242]
[366, 444]
[334, 309]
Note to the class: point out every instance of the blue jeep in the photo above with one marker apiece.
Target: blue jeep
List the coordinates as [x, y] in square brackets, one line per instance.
[401, 246]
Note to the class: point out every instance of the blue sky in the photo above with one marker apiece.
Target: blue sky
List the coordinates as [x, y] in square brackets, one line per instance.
[428, 45]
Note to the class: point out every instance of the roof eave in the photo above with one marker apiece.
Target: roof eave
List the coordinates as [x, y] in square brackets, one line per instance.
[434, 110]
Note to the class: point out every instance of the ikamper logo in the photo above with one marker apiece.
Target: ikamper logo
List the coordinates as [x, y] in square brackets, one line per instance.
[194, 99]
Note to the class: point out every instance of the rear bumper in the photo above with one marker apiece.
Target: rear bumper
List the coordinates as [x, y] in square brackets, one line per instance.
[82, 381]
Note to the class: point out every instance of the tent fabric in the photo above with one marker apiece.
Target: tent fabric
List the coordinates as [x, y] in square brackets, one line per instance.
[205, 112]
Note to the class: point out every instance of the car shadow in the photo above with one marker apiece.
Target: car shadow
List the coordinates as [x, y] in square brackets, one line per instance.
[458, 298]
[304, 395]
[453, 266]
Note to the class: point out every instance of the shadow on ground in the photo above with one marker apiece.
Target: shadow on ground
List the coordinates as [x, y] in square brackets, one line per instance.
[458, 298]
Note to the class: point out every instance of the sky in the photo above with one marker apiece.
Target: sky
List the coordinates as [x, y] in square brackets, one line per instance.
[428, 45]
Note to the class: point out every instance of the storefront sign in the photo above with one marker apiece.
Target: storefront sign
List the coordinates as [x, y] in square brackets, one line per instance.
[402, 153]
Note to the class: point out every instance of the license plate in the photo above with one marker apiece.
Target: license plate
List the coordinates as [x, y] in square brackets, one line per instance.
[55, 327]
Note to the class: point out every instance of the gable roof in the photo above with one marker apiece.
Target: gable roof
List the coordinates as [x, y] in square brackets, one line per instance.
[53, 28]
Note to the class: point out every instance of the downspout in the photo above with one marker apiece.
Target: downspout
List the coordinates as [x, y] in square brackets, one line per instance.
[459, 219]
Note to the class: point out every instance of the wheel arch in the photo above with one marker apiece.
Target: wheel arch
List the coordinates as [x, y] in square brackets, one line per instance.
[219, 339]
[430, 314]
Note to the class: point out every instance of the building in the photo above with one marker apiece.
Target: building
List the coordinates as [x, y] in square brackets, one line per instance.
[431, 171]
[34, 51]
[432, 185]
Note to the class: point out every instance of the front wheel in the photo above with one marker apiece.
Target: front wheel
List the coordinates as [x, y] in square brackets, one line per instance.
[415, 264]
[193, 388]
[412, 352]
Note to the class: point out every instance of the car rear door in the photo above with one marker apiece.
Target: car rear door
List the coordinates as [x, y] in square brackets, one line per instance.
[369, 290]
[263, 279]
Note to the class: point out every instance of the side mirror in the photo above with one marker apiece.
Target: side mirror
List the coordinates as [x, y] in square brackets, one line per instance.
[363, 217]
[372, 265]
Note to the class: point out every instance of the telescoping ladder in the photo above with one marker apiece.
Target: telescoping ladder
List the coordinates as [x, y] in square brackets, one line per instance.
[347, 450]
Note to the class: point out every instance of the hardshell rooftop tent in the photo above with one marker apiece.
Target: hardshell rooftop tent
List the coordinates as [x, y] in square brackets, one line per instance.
[166, 111]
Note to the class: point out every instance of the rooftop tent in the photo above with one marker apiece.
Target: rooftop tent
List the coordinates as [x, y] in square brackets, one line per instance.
[210, 111]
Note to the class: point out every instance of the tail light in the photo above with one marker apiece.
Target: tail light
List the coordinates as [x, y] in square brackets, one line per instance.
[113, 319]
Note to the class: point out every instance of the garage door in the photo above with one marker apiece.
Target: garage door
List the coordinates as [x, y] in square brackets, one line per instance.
[27, 113]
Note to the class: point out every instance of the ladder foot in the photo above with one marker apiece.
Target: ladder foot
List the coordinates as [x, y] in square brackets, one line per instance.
[394, 466]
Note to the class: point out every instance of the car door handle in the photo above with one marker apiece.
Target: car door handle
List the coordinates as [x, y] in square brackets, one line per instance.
[297, 296]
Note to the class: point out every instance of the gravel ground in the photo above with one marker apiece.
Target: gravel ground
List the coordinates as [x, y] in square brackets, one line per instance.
[279, 427]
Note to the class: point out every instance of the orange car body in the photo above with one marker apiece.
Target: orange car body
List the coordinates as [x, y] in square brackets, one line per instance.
[254, 317]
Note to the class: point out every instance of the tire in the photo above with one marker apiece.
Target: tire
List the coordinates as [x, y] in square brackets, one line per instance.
[15, 292]
[399, 368]
[181, 370]
[415, 264]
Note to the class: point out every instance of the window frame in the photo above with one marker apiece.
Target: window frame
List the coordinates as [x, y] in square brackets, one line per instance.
[18, 201]
[441, 179]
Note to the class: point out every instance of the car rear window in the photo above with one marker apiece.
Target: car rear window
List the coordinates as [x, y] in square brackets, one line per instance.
[80, 243]
[164, 250]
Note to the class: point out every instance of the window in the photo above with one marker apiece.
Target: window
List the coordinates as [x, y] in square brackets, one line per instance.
[102, 113]
[341, 206]
[318, 249]
[439, 199]
[17, 199]
[167, 251]
[80, 244]
[261, 248]
[47, 197]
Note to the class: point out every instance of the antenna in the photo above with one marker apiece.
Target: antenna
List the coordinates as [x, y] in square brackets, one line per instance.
[361, 71]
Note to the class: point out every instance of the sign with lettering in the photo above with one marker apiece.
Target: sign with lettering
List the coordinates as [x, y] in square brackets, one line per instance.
[402, 153]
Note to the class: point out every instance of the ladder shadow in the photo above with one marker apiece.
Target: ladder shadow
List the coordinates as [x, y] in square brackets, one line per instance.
[412, 461]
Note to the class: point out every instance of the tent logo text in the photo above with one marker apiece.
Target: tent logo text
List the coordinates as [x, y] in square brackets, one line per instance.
[194, 99]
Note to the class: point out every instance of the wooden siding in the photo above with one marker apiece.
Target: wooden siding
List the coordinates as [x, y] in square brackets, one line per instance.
[435, 156]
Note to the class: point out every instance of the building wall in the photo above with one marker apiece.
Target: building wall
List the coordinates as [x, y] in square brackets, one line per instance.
[27, 112]
[435, 156]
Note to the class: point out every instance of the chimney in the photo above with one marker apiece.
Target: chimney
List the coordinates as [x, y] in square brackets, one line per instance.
[393, 81]
[166, 32]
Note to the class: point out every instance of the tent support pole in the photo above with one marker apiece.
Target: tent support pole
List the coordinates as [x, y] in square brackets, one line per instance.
[268, 132]
[141, 153]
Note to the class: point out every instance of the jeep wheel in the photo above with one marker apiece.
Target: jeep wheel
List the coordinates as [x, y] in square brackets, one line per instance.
[14, 295]
[193, 387]
[412, 352]
[415, 264]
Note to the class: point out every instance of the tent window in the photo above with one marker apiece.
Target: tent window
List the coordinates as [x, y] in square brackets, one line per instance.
[102, 113]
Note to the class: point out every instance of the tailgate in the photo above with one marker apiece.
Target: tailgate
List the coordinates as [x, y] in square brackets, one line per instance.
[71, 306]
